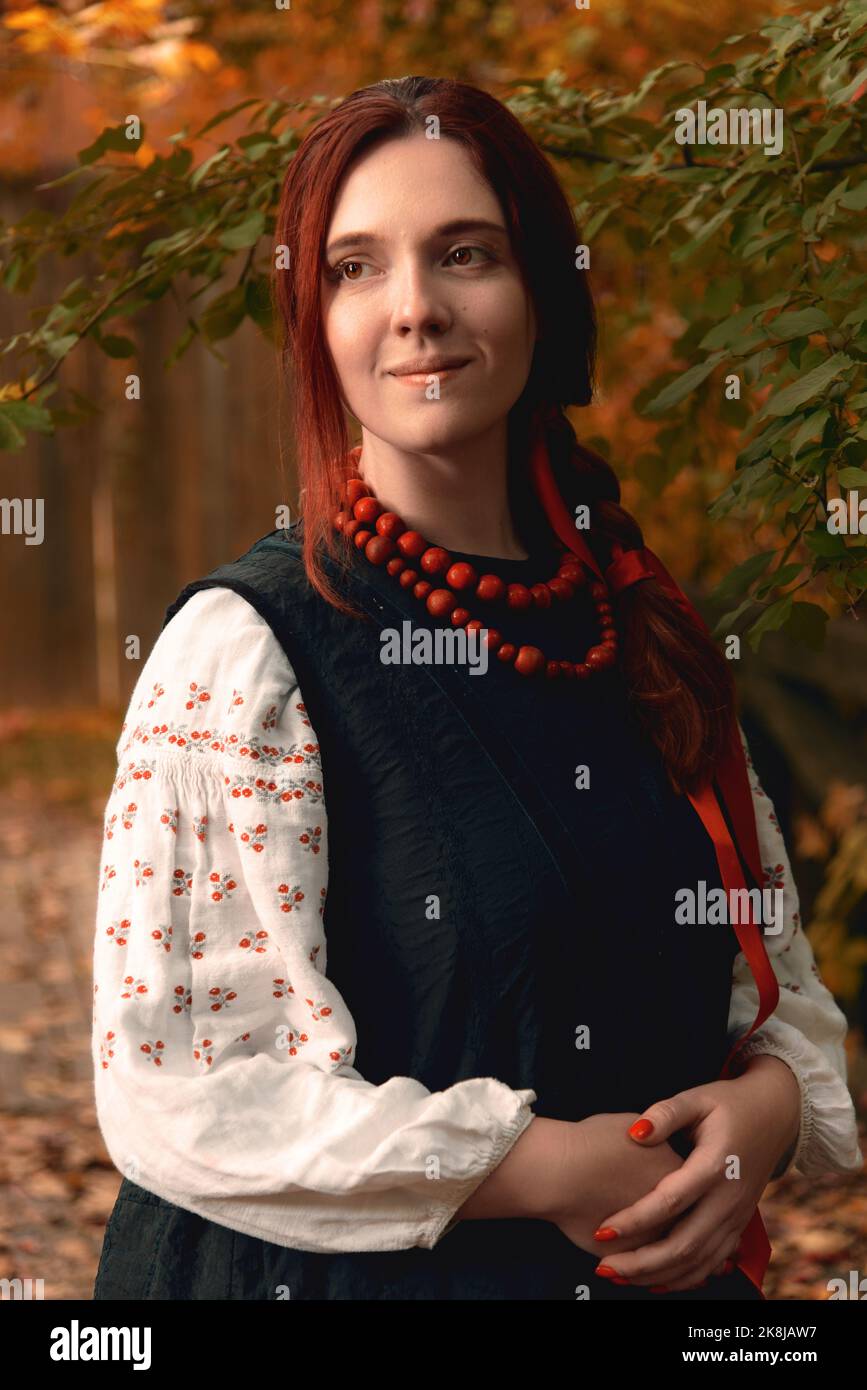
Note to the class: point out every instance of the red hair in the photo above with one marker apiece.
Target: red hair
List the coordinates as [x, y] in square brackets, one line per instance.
[679, 682]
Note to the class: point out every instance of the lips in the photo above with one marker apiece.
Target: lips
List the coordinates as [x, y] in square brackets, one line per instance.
[422, 378]
[448, 364]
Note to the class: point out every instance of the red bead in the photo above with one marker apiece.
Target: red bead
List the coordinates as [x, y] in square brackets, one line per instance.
[582, 671]
[355, 489]
[379, 549]
[460, 616]
[552, 669]
[599, 591]
[435, 560]
[367, 509]
[541, 595]
[440, 602]
[490, 588]
[390, 524]
[493, 639]
[507, 652]
[408, 578]
[604, 610]
[396, 564]
[422, 588]
[609, 634]
[474, 622]
[568, 668]
[461, 575]
[411, 544]
[574, 574]
[561, 588]
[361, 537]
[598, 658]
[529, 661]
[519, 597]
[350, 527]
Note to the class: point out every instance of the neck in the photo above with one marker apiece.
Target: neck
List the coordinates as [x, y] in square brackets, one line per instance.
[456, 498]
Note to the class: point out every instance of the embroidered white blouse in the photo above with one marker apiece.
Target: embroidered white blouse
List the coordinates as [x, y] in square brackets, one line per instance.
[224, 1058]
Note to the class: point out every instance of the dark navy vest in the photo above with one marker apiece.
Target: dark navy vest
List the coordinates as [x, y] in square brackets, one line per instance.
[555, 905]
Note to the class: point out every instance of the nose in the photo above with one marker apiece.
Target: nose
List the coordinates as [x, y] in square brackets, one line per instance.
[420, 302]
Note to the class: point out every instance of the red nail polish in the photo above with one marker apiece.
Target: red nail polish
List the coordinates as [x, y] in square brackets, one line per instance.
[617, 1279]
[606, 1233]
[606, 1272]
[659, 1288]
[641, 1129]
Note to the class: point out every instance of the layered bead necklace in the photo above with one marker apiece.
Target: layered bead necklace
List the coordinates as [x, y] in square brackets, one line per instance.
[384, 540]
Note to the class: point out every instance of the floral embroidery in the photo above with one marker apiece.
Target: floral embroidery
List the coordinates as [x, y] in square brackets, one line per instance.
[200, 696]
[253, 837]
[289, 897]
[119, 931]
[157, 691]
[163, 937]
[153, 1051]
[133, 989]
[203, 1052]
[257, 942]
[224, 886]
[107, 875]
[320, 1009]
[144, 871]
[236, 701]
[283, 990]
[183, 999]
[310, 839]
[774, 877]
[196, 946]
[169, 818]
[182, 883]
[200, 827]
[220, 998]
[106, 1051]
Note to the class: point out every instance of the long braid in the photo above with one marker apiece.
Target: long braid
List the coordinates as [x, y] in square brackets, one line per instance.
[678, 679]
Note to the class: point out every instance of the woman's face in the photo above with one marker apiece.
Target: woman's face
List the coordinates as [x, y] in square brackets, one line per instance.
[413, 287]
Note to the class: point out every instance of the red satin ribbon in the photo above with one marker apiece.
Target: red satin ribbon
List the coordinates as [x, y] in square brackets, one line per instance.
[733, 782]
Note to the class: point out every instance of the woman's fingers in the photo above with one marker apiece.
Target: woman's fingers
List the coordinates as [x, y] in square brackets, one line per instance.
[673, 1195]
[698, 1241]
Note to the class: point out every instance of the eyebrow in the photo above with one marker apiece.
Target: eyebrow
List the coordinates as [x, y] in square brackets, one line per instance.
[454, 228]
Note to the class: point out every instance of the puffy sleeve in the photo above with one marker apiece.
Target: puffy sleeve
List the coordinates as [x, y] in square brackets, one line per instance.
[224, 1058]
[807, 1030]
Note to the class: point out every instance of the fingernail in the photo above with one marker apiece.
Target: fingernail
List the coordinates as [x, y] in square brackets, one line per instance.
[617, 1279]
[606, 1272]
[659, 1288]
[606, 1233]
[641, 1129]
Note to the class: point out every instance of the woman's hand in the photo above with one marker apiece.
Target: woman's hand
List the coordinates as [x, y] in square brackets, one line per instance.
[741, 1129]
[598, 1165]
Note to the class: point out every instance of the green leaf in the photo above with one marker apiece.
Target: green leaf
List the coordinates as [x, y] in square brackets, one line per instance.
[115, 346]
[814, 424]
[772, 619]
[678, 389]
[245, 233]
[742, 576]
[11, 437]
[799, 323]
[824, 544]
[856, 198]
[224, 314]
[852, 477]
[806, 388]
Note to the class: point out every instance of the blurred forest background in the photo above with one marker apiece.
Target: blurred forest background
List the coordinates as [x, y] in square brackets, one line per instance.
[144, 495]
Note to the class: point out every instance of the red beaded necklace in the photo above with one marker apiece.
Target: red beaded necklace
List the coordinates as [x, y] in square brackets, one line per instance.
[391, 544]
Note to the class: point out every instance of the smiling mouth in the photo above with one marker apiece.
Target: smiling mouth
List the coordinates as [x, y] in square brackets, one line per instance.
[422, 378]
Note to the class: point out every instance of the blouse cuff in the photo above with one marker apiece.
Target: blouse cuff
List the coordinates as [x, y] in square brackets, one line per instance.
[828, 1137]
[446, 1214]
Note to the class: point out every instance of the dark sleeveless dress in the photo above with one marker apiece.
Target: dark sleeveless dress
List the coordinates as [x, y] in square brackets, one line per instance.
[564, 899]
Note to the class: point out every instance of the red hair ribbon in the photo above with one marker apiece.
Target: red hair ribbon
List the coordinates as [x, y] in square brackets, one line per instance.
[732, 851]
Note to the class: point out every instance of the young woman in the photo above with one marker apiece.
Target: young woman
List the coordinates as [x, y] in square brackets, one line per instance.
[388, 954]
